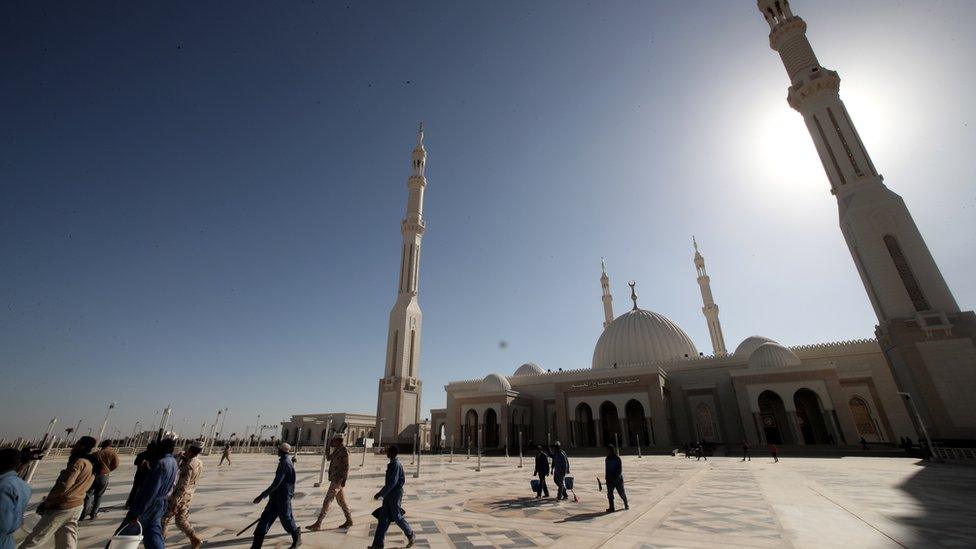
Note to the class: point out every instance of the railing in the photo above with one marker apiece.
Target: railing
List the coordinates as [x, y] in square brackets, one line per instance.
[959, 455]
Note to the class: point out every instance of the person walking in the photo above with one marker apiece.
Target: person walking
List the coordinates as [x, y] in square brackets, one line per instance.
[560, 468]
[179, 503]
[62, 507]
[225, 455]
[338, 459]
[541, 471]
[151, 501]
[144, 462]
[745, 450]
[279, 496]
[105, 460]
[392, 496]
[700, 451]
[14, 495]
[614, 472]
[864, 445]
[774, 451]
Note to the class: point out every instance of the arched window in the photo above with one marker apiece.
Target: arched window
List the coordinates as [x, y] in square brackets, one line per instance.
[905, 272]
[706, 428]
[862, 417]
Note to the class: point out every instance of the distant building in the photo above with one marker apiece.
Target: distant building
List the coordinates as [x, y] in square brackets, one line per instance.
[648, 383]
[315, 429]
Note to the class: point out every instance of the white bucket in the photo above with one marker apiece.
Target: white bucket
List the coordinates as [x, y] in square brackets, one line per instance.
[125, 541]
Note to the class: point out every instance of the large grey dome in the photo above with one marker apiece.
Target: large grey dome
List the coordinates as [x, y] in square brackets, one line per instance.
[772, 355]
[640, 336]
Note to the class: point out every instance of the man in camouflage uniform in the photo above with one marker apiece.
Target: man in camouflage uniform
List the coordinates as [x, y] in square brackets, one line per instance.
[179, 503]
[338, 473]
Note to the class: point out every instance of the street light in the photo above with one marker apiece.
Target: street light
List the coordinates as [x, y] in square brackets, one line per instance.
[416, 474]
[325, 451]
[921, 425]
[379, 437]
[478, 468]
[520, 449]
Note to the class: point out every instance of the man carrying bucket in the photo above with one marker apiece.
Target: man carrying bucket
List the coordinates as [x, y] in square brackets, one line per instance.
[279, 496]
[560, 468]
[542, 471]
[179, 502]
[151, 501]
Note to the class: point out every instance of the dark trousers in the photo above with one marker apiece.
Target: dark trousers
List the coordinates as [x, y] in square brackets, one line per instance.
[543, 487]
[275, 510]
[560, 486]
[617, 485]
[384, 525]
[93, 497]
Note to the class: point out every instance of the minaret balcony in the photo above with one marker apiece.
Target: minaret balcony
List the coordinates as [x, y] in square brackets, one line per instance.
[413, 227]
[823, 83]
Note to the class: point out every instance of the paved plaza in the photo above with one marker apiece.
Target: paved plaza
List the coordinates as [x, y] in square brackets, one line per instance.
[675, 502]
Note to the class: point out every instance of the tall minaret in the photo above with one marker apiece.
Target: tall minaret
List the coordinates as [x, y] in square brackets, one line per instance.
[607, 298]
[398, 403]
[710, 309]
[907, 291]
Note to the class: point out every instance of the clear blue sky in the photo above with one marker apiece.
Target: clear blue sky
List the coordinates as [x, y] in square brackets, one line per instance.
[200, 204]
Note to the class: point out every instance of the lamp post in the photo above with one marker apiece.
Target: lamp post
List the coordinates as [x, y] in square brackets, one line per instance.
[639, 456]
[520, 449]
[33, 465]
[416, 473]
[223, 421]
[76, 431]
[478, 468]
[918, 419]
[379, 437]
[213, 433]
[452, 448]
[325, 452]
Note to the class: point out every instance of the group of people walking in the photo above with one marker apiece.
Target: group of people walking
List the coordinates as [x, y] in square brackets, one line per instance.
[613, 473]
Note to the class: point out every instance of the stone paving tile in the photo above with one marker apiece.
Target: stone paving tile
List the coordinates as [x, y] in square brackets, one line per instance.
[675, 502]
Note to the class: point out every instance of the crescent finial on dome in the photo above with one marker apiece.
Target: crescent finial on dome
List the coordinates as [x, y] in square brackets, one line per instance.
[633, 293]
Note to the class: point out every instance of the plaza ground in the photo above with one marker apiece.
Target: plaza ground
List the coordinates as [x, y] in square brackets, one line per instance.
[675, 502]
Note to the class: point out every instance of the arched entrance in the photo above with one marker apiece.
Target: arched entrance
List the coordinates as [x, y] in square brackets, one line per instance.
[863, 421]
[810, 418]
[585, 430]
[469, 432]
[636, 425]
[772, 413]
[610, 423]
[705, 423]
[491, 429]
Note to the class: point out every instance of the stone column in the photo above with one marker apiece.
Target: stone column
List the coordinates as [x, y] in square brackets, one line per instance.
[598, 428]
[650, 430]
[793, 420]
[836, 424]
[760, 430]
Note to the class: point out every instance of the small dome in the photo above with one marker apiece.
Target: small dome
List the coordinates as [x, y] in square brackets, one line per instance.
[528, 369]
[494, 383]
[750, 344]
[640, 336]
[772, 355]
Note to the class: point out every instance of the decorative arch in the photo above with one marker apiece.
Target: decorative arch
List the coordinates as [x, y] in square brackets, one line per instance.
[704, 422]
[636, 424]
[864, 420]
[773, 419]
[490, 434]
[810, 417]
[585, 429]
[610, 423]
[469, 431]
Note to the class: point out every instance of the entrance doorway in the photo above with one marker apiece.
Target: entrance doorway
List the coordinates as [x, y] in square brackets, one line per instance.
[810, 418]
[772, 413]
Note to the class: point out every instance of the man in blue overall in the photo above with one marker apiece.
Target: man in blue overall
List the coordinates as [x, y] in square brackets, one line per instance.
[560, 468]
[150, 502]
[392, 495]
[279, 496]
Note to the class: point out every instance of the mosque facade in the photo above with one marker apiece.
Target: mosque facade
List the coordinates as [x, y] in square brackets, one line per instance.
[648, 385]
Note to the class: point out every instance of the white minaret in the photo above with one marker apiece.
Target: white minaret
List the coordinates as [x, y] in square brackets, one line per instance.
[607, 298]
[709, 309]
[399, 391]
[929, 344]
